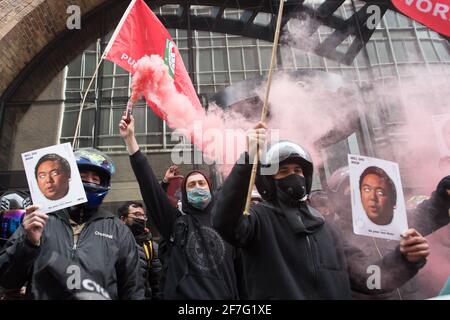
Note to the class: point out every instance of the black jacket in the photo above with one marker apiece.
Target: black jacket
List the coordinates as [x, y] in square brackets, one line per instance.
[434, 213]
[280, 264]
[102, 265]
[149, 253]
[199, 264]
[429, 216]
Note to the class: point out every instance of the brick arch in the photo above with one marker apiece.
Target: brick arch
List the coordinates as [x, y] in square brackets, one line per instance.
[36, 44]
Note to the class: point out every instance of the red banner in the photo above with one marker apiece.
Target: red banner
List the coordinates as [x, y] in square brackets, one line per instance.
[141, 33]
[434, 14]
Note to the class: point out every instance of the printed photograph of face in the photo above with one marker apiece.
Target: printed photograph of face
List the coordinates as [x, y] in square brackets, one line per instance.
[378, 195]
[52, 174]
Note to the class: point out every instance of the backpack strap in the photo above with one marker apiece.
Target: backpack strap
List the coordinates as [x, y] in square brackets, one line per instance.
[148, 248]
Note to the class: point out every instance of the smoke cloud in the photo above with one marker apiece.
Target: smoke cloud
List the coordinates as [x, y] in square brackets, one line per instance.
[317, 111]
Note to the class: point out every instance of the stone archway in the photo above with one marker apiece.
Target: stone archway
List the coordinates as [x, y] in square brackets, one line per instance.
[36, 44]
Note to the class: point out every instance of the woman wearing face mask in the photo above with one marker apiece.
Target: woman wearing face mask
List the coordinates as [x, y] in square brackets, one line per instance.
[199, 265]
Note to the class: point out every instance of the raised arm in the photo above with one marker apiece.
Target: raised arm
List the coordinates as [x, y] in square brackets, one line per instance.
[227, 213]
[155, 198]
[433, 213]
[392, 270]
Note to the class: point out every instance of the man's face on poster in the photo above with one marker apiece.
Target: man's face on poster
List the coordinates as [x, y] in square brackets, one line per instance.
[52, 180]
[376, 199]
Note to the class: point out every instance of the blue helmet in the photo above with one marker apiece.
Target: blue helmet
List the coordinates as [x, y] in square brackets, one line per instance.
[89, 159]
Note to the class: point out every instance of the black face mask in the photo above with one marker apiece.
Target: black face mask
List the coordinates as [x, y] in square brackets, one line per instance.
[80, 214]
[292, 186]
[137, 227]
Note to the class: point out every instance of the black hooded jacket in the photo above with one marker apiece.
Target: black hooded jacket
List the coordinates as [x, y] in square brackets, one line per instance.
[429, 216]
[307, 261]
[102, 265]
[200, 263]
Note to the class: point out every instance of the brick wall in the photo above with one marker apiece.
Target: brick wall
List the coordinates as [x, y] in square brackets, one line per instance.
[35, 43]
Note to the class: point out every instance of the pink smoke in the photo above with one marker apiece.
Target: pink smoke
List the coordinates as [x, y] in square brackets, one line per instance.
[208, 131]
[435, 273]
[306, 111]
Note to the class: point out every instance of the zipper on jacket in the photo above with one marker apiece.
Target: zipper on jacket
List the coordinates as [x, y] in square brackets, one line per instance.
[74, 248]
[75, 244]
[313, 260]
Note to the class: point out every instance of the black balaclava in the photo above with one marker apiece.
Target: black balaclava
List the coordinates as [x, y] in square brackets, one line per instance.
[292, 186]
[291, 198]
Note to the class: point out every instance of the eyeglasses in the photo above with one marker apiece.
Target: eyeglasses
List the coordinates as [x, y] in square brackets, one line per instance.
[137, 216]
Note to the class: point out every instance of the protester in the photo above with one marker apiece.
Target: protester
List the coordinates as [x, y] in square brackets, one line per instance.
[199, 264]
[255, 197]
[428, 216]
[288, 250]
[12, 211]
[171, 184]
[318, 199]
[82, 252]
[132, 214]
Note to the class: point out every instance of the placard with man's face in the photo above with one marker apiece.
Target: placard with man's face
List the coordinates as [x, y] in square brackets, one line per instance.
[53, 177]
[441, 125]
[378, 206]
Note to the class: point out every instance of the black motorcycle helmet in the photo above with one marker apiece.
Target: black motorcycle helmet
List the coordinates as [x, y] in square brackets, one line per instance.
[339, 192]
[278, 153]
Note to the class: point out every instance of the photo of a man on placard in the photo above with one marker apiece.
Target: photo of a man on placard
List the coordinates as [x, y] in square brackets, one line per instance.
[378, 205]
[53, 175]
[378, 195]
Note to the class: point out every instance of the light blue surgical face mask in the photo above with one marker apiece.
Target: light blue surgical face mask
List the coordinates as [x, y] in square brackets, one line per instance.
[199, 198]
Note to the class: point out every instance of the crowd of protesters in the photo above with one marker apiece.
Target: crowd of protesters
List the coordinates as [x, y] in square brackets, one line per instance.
[295, 243]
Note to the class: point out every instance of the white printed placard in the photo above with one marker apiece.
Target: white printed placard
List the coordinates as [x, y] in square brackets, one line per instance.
[378, 206]
[53, 177]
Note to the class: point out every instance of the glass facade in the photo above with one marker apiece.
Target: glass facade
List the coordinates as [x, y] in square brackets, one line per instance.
[220, 60]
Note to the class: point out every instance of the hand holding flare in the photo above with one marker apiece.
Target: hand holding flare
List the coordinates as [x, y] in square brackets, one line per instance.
[137, 91]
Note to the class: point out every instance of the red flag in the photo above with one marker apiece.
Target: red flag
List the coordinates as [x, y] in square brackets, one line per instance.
[435, 14]
[141, 33]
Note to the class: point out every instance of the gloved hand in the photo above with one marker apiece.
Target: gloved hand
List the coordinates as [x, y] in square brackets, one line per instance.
[443, 188]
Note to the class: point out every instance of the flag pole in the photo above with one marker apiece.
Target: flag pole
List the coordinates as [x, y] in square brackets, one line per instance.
[265, 105]
[77, 127]
[105, 53]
